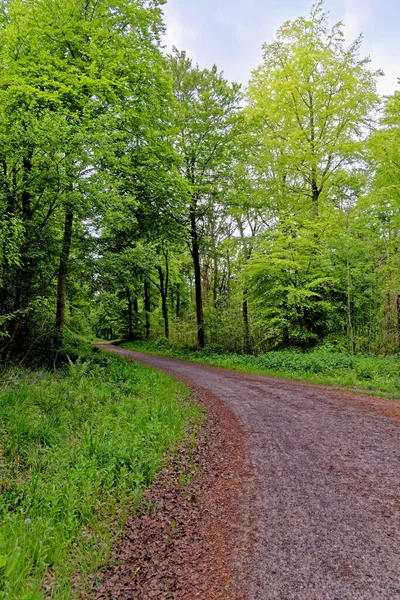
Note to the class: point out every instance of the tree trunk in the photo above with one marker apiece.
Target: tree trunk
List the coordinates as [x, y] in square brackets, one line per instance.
[26, 195]
[228, 277]
[147, 306]
[197, 277]
[178, 300]
[245, 312]
[215, 283]
[63, 274]
[164, 294]
[245, 306]
[130, 314]
[315, 198]
[348, 273]
[315, 192]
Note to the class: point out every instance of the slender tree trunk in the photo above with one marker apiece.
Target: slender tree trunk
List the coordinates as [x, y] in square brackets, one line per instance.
[228, 277]
[245, 312]
[215, 282]
[178, 300]
[315, 193]
[164, 294]
[206, 280]
[349, 319]
[245, 306]
[147, 306]
[63, 274]
[197, 277]
[26, 195]
[130, 314]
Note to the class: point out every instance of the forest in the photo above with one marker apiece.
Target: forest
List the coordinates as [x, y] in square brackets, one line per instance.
[148, 199]
[143, 196]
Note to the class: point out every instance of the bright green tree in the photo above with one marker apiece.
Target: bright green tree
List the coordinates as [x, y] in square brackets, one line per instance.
[310, 103]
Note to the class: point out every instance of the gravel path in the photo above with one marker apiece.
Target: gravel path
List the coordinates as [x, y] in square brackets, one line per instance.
[324, 488]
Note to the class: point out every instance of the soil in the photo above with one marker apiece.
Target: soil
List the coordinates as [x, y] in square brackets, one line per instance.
[184, 543]
[299, 499]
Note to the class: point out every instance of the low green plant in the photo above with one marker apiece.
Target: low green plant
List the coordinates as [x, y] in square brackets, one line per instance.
[77, 448]
[372, 374]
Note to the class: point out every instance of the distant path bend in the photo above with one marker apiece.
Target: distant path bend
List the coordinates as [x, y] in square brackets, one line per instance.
[324, 491]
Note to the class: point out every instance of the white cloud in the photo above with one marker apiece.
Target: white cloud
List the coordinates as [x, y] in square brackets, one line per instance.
[178, 34]
[231, 32]
[356, 17]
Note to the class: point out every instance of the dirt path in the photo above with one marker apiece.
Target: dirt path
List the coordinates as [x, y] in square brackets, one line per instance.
[323, 497]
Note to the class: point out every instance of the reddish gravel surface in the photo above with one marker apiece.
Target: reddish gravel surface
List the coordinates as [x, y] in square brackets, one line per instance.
[318, 515]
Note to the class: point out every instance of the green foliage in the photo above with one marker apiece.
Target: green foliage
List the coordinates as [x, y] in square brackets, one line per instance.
[140, 197]
[357, 372]
[293, 284]
[68, 72]
[308, 102]
[77, 448]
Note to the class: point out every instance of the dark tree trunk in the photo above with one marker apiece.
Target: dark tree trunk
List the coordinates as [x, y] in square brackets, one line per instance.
[215, 283]
[164, 294]
[245, 311]
[26, 195]
[147, 306]
[228, 278]
[245, 306]
[315, 192]
[178, 300]
[315, 198]
[197, 277]
[63, 274]
[130, 314]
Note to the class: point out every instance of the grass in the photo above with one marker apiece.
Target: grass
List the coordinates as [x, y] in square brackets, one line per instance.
[375, 375]
[77, 449]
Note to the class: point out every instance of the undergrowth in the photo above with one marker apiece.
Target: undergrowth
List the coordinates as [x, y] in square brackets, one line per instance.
[77, 448]
[372, 374]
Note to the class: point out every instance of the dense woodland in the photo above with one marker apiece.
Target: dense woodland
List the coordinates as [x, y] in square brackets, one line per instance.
[143, 196]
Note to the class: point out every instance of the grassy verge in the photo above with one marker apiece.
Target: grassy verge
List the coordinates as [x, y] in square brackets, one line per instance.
[371, 374]
[76, 450]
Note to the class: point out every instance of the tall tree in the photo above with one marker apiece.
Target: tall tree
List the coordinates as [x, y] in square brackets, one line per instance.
[206, 119]
[64, 69]
[310, 102]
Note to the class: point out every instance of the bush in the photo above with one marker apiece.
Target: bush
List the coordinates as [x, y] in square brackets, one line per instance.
[375, 373]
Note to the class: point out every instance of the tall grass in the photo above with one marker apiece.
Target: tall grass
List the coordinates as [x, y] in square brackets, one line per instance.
[76, 450]
[373, 374]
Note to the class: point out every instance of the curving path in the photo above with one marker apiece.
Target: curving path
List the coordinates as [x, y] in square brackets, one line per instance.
[324, 491]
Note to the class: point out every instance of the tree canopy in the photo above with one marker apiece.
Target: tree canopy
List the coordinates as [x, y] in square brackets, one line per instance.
[142, 196]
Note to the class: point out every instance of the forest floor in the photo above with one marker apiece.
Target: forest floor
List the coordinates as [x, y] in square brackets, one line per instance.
[301, 500]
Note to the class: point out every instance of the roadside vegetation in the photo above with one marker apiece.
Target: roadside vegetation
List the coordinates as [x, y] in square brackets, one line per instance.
[77, 449]
[371, 374]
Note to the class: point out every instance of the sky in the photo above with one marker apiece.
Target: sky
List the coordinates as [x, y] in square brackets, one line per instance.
[230, 33]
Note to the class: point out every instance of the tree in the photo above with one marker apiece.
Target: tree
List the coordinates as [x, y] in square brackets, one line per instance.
[65, 68]
[378, 223]
[310, 103]
[310, 110]
[206, 121]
